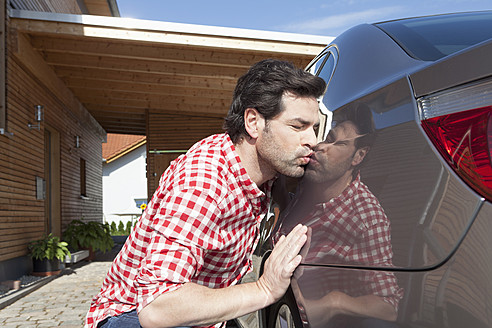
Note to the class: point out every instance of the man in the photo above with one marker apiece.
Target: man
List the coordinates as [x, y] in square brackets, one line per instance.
[347, 226]
[181, 263]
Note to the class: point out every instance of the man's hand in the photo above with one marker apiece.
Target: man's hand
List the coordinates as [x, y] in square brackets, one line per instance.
[281, 264]
[195, 305]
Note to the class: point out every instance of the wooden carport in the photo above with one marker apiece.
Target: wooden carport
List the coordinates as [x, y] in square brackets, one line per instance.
[171, 82]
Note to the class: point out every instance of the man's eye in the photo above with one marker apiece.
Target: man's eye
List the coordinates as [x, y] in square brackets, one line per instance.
[297, 127]
[330, 138]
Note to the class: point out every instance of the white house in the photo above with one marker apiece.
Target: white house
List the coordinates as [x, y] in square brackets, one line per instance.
[124, 177]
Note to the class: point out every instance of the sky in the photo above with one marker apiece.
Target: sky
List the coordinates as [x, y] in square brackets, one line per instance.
[327, 18]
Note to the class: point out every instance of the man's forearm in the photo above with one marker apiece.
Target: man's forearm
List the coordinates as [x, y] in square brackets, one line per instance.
[195, 305]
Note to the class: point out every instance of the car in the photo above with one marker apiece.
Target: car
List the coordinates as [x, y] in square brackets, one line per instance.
[425, 86]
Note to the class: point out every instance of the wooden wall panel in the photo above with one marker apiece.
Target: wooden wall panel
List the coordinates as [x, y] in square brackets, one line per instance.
[163, 135]
[22, 217]
[55, 6]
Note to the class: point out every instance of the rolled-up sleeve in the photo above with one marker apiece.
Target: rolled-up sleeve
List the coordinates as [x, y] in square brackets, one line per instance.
[167, 267]
[184, 231]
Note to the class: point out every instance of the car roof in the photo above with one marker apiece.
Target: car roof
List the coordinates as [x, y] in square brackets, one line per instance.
[433, 37]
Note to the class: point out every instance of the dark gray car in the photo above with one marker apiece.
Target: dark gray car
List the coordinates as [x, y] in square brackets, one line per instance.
[410, 242]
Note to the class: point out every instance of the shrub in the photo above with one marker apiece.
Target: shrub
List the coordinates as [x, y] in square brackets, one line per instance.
[89, 235]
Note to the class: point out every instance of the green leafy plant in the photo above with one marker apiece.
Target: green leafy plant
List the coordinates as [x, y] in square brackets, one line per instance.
[48, 247]
[88, 235]
[122, 229]
[128, 228]
[114, 230]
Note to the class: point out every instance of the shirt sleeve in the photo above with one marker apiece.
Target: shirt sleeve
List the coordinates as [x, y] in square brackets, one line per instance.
[379, 252]
[184, 228]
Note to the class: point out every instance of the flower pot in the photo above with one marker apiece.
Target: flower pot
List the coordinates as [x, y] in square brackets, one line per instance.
[45, 267]
[119, 239]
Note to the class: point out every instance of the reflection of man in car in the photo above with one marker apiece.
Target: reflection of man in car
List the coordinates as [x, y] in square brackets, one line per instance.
[347, 224]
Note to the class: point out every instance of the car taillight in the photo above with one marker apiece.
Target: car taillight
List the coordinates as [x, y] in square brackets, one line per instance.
[459, 123]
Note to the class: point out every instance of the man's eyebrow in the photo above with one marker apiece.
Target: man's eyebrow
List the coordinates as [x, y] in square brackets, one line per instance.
[302, 121]
[332, 133]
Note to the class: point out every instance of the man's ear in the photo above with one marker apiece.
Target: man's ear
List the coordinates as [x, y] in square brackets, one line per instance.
[359, 155]
[253, 122]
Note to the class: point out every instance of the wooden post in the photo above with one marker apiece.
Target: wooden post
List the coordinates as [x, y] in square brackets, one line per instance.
[3, 68]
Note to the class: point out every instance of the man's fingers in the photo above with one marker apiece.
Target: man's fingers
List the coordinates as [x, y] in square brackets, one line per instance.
[288, 248]
[282, 263]
[293, 265]
[293, 242]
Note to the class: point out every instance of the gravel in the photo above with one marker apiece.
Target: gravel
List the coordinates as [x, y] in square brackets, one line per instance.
[25, 281]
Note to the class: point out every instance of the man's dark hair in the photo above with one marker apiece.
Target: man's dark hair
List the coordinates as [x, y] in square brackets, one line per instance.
[262, 88]
[361, 116]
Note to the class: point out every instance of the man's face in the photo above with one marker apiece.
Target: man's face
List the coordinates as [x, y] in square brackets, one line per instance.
[334, 157]
[286, 141]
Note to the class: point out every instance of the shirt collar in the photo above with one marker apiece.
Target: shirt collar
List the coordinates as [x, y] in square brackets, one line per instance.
[236, 167]
[348, 193]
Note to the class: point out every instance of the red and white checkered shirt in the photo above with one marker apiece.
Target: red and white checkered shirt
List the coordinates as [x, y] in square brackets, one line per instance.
[201, 226]
[352, 229]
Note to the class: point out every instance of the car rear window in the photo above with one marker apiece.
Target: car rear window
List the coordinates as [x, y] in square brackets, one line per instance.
[431, 38]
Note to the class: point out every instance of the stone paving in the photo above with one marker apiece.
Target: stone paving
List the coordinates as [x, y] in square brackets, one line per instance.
[63, 302]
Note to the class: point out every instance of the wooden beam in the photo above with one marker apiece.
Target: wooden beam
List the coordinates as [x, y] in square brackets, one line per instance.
[133, 65]
[95, 109]
[119, 110]
[3, 68]
[164, 37]
[98, 7]
[35, 63]
[124, 122]
[194, 105]
[141, 131]
[136, 50]
[124, 90]
[152, 78]
[117, 116]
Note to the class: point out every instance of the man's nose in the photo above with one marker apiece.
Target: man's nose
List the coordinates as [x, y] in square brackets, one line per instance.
[309, 138]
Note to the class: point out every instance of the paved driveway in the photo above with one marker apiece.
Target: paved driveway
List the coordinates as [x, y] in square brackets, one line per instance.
[63, 302]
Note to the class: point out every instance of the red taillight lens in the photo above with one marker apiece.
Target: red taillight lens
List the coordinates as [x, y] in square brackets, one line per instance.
[464, 139]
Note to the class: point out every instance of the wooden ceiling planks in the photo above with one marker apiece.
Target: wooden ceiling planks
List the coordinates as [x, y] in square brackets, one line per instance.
[119, 73]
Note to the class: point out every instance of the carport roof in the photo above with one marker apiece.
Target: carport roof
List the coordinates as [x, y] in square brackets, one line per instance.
[119, 68]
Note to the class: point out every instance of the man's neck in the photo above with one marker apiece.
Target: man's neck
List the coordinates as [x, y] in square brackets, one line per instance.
[258, 171]
[326, 191]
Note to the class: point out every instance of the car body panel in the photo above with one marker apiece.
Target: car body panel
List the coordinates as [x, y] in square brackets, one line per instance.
[361, 77]
[434, 260]
[418, 206]
[463, 67]
[440, 228]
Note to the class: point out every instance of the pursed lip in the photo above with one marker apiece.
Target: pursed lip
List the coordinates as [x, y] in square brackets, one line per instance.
[313, 159]
[307, 158]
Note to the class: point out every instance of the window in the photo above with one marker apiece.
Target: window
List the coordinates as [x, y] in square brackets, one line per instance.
[324, 66]
[431, 38]
[83, 178]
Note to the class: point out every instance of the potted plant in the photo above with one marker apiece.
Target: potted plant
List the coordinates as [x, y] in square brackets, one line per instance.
[46, 254]
[92, 235]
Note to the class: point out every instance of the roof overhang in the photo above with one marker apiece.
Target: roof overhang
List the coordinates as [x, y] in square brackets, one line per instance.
[119, 68]
[99, 7]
